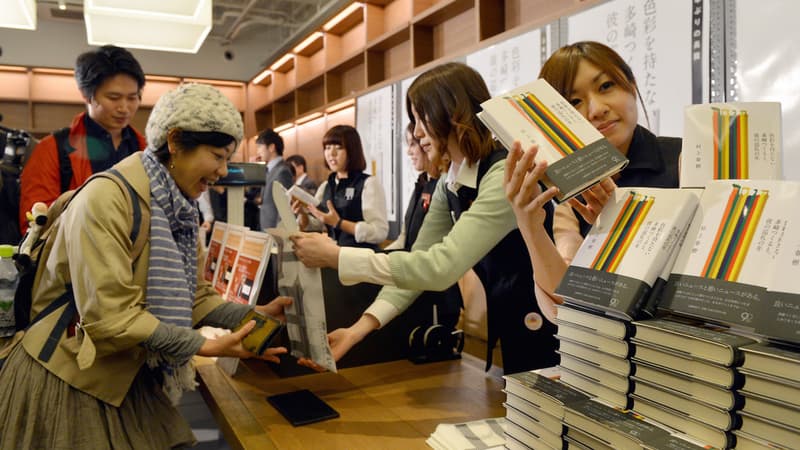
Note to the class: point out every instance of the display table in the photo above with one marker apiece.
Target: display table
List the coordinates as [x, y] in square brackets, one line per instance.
[394, 405]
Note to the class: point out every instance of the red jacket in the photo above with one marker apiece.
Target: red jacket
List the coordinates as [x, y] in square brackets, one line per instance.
[40, 181]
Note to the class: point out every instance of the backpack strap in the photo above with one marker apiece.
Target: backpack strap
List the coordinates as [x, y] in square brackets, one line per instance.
[64, 163]
[138, 240]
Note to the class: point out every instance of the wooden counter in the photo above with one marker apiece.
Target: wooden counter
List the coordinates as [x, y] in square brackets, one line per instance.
[394, 405]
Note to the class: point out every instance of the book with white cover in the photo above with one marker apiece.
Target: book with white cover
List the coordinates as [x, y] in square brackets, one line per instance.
[578, 155]
[218, 235]
[249, 268]
[782, 308]
[478, 434]
[227, 259]
[302, 195]
[726, 141]
[626, 250]
[728, 259]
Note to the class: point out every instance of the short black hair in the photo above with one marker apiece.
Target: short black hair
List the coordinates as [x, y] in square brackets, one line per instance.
[190, 140]
[298, 160]
[92, 68]
[347, 137]
[269, 136]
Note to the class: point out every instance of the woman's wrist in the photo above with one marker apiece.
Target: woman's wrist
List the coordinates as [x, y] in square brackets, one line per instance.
[338, 224]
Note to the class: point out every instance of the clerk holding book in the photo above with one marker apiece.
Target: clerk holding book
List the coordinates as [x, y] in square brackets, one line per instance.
[469, 225]
[601, 86]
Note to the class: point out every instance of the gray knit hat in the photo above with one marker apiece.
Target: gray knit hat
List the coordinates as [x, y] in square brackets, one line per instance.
[193, 107]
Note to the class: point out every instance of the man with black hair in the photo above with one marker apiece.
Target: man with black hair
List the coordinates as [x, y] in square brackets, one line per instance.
[110, 80]
[269, 146]
[300, 175]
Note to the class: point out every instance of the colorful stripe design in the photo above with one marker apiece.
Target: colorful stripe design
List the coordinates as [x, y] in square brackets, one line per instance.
[730, 144]
[735, 233]
[625, 227]
[559, 135]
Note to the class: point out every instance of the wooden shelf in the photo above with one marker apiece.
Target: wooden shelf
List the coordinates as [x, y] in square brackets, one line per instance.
[442, 11]
[385, 41]
[283, 109]
[264, 118]
[311, 95]
[347, 78]
[390, 39]
[389, 55]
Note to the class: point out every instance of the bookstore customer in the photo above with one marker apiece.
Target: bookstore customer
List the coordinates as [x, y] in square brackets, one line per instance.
[469, 225]
[118, 368]
[601, 86]
[353, 204]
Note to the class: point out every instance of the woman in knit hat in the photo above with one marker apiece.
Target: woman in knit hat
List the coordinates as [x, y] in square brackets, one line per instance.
[124, 351]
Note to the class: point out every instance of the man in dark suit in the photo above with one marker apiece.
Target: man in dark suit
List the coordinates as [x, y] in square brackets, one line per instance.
[301, 177]
[269, 146]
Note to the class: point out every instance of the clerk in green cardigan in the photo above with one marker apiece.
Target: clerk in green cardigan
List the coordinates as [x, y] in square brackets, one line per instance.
[470, 225]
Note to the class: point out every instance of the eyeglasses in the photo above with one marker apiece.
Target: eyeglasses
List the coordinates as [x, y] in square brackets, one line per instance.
[330, 147]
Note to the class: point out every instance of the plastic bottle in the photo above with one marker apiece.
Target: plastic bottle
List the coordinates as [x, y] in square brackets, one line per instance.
[8, 286]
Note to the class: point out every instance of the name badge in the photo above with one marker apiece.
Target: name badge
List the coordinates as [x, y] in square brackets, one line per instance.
[349, 193]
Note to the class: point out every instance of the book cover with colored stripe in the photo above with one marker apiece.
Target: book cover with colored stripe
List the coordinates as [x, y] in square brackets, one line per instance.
[627, 249]
[731, 141]
[578, 155]
[249, 267]
[730, 254]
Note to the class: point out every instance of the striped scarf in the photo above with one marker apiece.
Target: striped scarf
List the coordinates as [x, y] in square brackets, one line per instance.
[171, 286]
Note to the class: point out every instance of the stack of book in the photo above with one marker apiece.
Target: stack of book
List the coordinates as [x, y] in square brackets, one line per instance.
[594, 425]
[685, 376]
[770, 416]
[485, 434]
[594, 353]
[535, 408]
[611, 281]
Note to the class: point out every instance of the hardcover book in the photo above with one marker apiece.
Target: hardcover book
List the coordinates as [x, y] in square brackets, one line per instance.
[531, 410]
[611, 363]
[227, 259]
[728, 399]
[699, 341]
[595, 388]
[716, 417]
[249, 267]
[609, 326]
[775, 388]
[550, 436]
[773, 432]
[682, 423]
[678, 363]
[589, 369]
[776, 360]
[727, 141]
[549, 395]
[728, 260]
[217, 242]
[584, 441]
[530, 438]
[578, 155]
[626, 250]
[587, 337]
[772, 410]
[622, 429]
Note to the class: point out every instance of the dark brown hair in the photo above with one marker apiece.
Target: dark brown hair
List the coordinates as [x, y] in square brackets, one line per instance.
[447, 99]
[347, 137]
[560, 69]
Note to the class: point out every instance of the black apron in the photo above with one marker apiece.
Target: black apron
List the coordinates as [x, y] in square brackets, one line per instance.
[507, 277]
[346, 198]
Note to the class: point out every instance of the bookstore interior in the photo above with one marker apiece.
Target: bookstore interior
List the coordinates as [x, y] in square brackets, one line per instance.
[680, 325]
